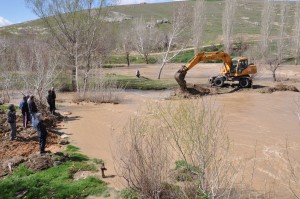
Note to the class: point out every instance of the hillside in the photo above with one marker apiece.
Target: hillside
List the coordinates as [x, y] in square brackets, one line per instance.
[247, 21]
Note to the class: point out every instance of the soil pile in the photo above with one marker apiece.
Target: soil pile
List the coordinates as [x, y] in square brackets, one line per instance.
[13, 153]
[195, 91]
[280, 87]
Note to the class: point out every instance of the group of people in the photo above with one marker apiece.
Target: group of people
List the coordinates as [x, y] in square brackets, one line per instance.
[30, 113]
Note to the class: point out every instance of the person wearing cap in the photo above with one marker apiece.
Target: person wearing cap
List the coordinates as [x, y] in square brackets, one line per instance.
[41, 133]
[11, 119]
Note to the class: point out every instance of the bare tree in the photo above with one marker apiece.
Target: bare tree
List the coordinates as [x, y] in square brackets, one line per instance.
[143, 157]
[127, 43]
[267, 18]
[296, 42]
[227, 25]
[274, 61]
[145, 38]
[189, 131]
[196, 132]
[8, 75]
[75, 26]
[179, 26]
[38, 67]
[198, 25]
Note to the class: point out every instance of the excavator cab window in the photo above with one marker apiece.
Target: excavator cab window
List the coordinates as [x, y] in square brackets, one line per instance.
[233, 66]
[243, 64]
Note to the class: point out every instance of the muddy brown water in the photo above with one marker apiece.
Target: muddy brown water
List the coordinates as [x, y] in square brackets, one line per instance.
[254, 121]
[258, 124]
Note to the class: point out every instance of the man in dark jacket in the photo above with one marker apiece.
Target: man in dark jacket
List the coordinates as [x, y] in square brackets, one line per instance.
[32, 108]
[41, 133]
[25, 111]
[51, 102]
[53, 96]
[11, 119]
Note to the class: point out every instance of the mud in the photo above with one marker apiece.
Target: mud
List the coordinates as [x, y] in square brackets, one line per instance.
[25, 149]
[197, 90]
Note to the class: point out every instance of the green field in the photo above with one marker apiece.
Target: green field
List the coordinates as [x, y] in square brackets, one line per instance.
[246, 24]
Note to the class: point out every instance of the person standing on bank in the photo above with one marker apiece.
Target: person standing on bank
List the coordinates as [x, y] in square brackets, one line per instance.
[11, 119]
[53, 95]
[25, 111]
[51, 102]
[41, 133]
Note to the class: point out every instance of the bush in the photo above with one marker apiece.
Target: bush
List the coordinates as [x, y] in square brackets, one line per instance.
[129, 194]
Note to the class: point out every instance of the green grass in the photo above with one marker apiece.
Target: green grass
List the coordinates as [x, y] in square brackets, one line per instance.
[134, 59]
[5, 107]
[55, 182]
[72, 151]
[247, 18]
[132, 82]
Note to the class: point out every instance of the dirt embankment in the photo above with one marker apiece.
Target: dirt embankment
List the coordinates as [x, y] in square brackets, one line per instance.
[25, 148]
[197, 90]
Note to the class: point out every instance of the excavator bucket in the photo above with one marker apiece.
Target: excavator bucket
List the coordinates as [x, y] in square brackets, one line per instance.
[179, 77]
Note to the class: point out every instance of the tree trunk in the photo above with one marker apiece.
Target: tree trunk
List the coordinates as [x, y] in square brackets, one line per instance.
[128, 59]
[146, 58]
[74, 79]
[274, 76]
[85, 81]
[160, 70]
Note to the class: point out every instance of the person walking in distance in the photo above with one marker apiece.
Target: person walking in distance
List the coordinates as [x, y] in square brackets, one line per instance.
[11, 119]
[25, 111]
[53, 95]
[41, 133]
[51, 102]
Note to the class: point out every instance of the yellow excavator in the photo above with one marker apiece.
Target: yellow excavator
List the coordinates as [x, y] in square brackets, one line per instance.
[236, 69]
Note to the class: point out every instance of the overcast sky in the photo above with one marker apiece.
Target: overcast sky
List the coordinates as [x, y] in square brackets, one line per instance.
[15, 11]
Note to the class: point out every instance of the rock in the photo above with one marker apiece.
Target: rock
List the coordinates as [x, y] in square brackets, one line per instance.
[56, 163]
[64, 136]
[13, 162]
[21, 194]
[67, 113]
[38, 162]
[63, 142]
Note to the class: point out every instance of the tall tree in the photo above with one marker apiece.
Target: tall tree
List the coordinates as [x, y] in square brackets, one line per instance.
[267, 18]
[179, 25]
[75, 26]
[126, 41]
[227, 25]
[145, 38]
[198, 25]
[274, 61]
[296, 41]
